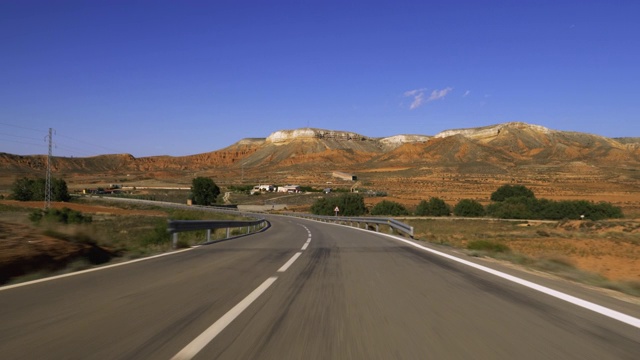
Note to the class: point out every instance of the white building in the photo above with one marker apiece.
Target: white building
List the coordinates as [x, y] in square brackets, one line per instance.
[289, 189]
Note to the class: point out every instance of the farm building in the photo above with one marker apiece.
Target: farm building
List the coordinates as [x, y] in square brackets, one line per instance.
[345, 176]
[289, 188]
[262, 188]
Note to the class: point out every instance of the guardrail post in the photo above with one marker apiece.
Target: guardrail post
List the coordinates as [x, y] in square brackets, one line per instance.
[208, 235]
[174, 244]
[228, 231]
[377, 228]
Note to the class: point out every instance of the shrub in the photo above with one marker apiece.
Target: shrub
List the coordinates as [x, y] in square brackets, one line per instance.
[512, 208]
[391, 208]
[484, 245]
[26, 189]
[509, 191]
[350, 204]
[434, 207]
[468, 208]
[64, 216]
[527, 207]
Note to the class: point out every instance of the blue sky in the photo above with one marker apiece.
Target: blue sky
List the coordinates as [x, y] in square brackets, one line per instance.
[186, 77]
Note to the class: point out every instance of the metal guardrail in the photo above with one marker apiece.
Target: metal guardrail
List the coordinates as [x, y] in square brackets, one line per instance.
[177, 226]
[366, 221]
[392, 223]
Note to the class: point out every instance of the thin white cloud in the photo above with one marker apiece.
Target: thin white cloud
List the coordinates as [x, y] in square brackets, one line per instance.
[439, 94]
[466, 93]
[419, 97]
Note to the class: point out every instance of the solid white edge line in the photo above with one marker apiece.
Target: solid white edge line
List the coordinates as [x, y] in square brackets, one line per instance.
[616, 315]
[92, 269]
[288, 263]
[195, 346]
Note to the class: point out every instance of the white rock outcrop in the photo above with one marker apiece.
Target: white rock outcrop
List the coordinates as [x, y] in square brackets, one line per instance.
[282, 136]
[491, 130]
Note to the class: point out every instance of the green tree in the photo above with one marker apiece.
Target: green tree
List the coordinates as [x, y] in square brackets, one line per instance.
[468, 208]
[391, 208]
[59, 190]
[204, 191]
[508, 191]
[21, 190]
[34, 190]
[434, 207]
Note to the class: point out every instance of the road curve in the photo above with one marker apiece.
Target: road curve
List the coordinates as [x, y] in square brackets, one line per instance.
[305, 290]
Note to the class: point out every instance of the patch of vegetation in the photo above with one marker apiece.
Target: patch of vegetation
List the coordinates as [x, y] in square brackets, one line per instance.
[390, 208]
[204, 191]
[518, 202]
[350, 204]
[158, 235]
[510, 191]
[434, 207]
[489, 246]
[468, 208]
[63, 216]
[26, 189]
[244, 189]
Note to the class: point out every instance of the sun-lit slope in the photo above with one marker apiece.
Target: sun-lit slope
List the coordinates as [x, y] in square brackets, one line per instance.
[533, 143]
[321, 147]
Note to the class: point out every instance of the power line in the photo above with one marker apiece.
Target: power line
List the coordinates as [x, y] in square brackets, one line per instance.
[92, 144]
[22, 142]
[19, 136]
[21, 127]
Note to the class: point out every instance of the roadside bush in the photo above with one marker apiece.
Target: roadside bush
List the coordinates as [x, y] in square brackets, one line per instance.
[531, 208]
[510, 191]
[391, 208]
[512, 208]
[484, 245]
[468, 208]
[64, 216]
[434, 207]
[350, 204]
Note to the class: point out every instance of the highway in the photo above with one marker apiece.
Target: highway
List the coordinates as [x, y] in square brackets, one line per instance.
[309, 290]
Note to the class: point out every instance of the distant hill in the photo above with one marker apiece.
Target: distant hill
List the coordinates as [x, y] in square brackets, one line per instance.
[500, 148]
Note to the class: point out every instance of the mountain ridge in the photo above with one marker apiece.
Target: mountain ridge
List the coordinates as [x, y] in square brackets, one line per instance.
[500, 147]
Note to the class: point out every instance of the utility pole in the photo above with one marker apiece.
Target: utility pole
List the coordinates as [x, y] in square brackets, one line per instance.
[47, 190]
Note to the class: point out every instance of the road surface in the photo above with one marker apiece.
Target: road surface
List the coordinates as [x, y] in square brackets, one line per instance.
[307, 290]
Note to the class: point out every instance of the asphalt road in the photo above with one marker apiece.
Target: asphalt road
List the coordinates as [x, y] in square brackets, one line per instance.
[306, 290]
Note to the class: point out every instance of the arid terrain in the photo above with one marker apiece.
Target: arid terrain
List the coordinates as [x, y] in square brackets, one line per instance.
[452, 165]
